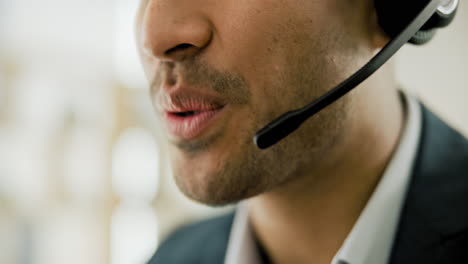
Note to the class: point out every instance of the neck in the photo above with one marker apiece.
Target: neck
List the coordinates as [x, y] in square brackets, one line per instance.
[308, 219]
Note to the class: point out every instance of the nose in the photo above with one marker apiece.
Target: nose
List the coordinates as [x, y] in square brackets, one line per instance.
[173, 30]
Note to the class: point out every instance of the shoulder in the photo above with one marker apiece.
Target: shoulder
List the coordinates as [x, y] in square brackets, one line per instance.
[195, 243]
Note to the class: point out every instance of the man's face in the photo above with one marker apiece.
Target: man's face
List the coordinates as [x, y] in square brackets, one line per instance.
[222, 69]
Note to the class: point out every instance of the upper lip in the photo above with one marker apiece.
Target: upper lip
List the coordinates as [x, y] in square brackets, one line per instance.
[187, 100]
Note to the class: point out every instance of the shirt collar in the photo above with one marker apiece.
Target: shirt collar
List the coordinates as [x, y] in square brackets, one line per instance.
[371, 238]
[242, 247]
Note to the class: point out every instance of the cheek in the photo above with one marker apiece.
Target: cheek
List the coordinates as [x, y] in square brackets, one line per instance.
[262, 44]
[247, 35]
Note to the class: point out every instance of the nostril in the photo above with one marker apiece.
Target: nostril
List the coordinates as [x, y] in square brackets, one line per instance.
[178, 48]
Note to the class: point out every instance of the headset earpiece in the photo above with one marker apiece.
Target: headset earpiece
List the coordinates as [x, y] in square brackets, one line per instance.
[395, 15]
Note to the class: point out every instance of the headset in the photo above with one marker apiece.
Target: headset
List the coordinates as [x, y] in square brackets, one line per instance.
[413, 21]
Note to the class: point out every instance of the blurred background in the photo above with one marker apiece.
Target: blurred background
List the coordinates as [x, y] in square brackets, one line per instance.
[83, 175]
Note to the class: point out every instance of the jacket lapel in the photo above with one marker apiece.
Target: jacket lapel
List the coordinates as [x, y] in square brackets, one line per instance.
[435, 213]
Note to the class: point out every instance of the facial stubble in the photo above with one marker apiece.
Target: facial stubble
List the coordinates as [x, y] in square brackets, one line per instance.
[245, 170]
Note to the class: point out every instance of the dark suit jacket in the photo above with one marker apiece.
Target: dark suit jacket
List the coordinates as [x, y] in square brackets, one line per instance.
[433, 227]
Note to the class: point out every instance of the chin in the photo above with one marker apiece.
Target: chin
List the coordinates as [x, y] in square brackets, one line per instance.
[204, 187]
[214, 186]
[224, 171]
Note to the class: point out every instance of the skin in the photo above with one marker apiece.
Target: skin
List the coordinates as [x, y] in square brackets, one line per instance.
[266, 57]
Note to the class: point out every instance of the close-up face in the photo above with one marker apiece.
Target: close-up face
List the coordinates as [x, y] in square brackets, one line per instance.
[222, 69]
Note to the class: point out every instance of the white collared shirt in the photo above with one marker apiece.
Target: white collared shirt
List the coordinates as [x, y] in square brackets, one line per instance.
[371, 238]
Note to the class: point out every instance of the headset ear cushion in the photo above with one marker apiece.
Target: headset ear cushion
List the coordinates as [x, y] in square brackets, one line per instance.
[423, 37]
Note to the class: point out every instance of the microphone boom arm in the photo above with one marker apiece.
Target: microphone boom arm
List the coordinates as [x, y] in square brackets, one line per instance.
[290, 121]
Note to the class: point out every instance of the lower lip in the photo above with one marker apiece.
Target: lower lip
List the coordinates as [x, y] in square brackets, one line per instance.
[190, 127]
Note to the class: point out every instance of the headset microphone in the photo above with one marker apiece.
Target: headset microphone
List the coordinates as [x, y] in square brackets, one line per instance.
[418, 29]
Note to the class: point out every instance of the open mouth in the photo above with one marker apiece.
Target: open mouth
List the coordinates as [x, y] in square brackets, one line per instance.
[188, 114]
[191, 124]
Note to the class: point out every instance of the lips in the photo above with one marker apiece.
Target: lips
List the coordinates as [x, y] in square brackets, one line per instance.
[188, 115]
